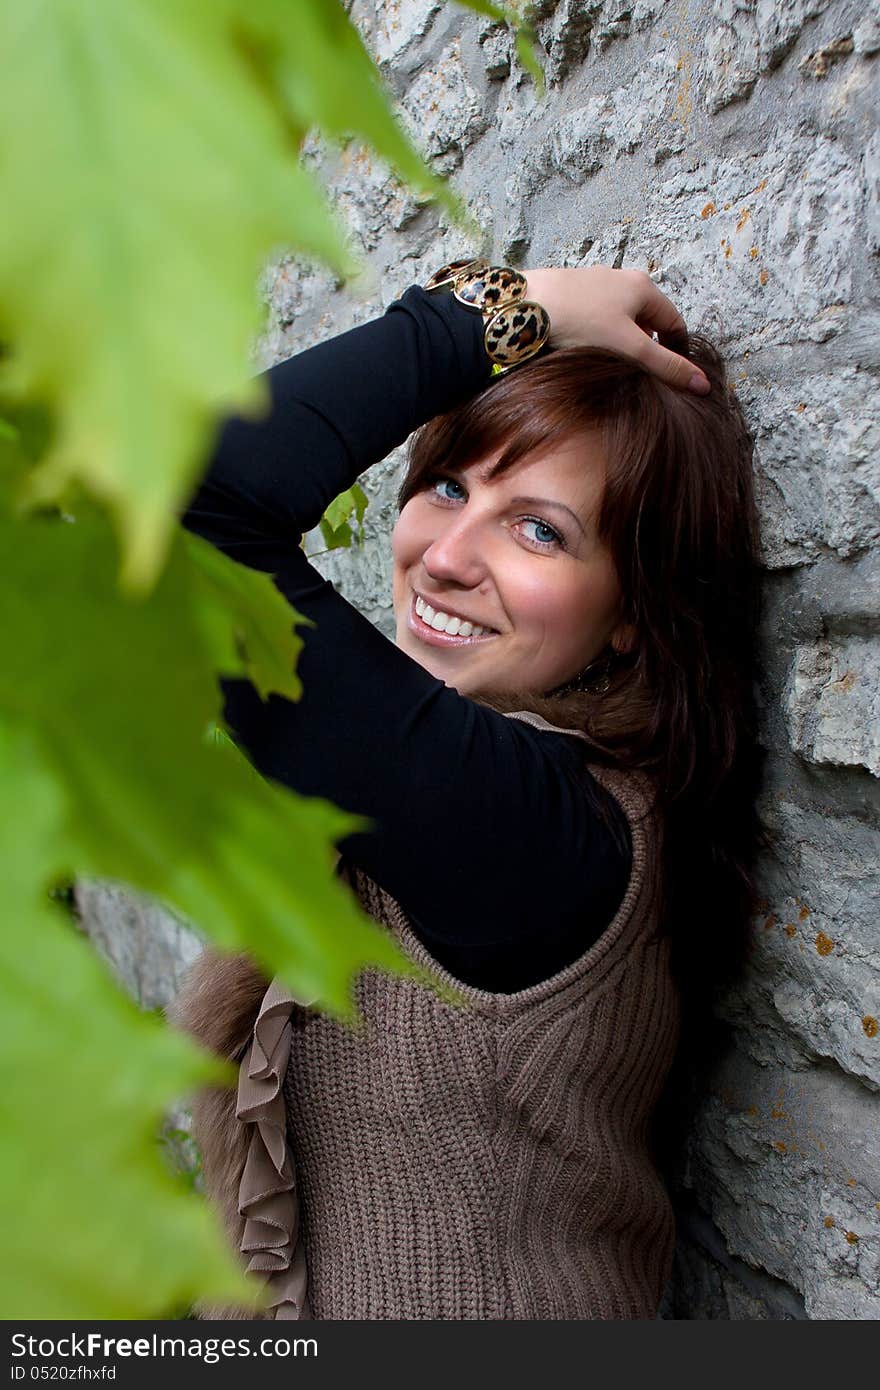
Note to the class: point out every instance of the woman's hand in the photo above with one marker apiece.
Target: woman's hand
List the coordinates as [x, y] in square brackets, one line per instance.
[597, 306]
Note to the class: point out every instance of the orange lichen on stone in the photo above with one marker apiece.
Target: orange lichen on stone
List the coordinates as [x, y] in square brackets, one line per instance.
[804, 912]
[790, 929]
[727, 250]
[801, 407]
[753, 253]
[824, 944]
[817, 64]
[727, 207]
[709, 211]
[777, 1113]
[852, 1238]
[850, 1182]
[752, 1110]
[780, 1146]
[764, 277]
[742, 219]
[829, 1222]
[770, 922]
[870, 1025]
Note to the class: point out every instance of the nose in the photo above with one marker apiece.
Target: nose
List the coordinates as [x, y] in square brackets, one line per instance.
[457, 555]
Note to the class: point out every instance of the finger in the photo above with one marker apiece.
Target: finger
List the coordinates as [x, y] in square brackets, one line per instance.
[658, 313]
[669, 366]
[668, 338]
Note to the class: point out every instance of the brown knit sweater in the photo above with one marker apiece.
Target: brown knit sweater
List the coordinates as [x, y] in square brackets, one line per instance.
[489, 1161]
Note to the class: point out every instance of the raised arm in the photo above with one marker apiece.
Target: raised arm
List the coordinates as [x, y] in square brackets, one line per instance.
[336, 409]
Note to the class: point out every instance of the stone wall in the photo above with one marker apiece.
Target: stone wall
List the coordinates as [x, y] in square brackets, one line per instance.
[728, 147]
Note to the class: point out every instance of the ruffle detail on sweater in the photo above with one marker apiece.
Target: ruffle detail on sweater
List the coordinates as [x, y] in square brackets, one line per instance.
[267, 1194]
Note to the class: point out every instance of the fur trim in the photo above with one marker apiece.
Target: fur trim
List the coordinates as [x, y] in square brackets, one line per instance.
[218, 1006]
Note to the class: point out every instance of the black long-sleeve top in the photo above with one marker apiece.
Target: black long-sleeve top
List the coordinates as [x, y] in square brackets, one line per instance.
[485, 829]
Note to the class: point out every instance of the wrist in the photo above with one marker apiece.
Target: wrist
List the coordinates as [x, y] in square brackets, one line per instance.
[551, 287]
[515, 328]
[547, 288]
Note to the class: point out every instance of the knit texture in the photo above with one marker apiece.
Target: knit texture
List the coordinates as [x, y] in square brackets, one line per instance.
[492, 1161]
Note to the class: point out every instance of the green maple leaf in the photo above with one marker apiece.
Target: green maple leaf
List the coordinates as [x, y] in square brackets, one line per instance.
[170, 175]
[248, 625]
[87, 1079]
[120, 695]
[336, 523]
[164, 144]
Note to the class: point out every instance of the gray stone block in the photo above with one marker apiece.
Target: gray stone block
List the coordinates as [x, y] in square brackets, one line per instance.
[442, 111]
[786, 1167]
[816, 944]
[833, 703]
[147, 947]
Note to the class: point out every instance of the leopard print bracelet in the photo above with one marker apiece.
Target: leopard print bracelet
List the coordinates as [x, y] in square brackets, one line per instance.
[516, 328]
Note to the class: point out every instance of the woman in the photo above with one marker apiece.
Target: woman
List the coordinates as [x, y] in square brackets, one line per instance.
[556, 758]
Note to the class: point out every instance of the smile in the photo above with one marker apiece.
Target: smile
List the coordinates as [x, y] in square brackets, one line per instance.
[440, 629]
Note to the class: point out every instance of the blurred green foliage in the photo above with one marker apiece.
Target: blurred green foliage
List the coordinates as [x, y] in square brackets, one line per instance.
[150, 179]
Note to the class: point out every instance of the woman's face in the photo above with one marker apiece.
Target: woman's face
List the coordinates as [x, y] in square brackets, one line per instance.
[518, 557]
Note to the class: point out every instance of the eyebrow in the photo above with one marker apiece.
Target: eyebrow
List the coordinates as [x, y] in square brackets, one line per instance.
[546, 502]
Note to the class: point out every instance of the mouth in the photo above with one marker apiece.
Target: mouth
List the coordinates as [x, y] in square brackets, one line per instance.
[421, 621]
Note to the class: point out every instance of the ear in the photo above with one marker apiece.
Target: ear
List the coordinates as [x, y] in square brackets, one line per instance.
[623, 638]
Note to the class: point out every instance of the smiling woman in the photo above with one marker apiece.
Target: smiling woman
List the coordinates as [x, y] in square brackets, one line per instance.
[556, 761]
[546, 594]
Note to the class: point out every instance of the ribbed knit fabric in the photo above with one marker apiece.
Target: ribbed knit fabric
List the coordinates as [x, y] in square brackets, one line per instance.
[491, 1161]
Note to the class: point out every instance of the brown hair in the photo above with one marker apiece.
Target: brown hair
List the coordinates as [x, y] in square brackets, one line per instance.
[679, 518]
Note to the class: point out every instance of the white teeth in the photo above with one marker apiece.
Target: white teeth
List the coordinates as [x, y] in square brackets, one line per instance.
[445, 622]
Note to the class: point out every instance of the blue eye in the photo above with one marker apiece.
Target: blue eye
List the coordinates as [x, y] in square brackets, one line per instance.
[543, 534]
[440, 483]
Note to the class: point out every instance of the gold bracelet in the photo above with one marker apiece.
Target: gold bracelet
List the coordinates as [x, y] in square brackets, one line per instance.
[516, 328]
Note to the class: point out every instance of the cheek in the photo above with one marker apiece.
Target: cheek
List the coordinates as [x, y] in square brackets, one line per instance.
[402, 540]
[571, 605]
[414, 531]
[408, 544]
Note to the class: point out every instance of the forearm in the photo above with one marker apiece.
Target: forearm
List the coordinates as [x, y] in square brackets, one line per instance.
[335, 409]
